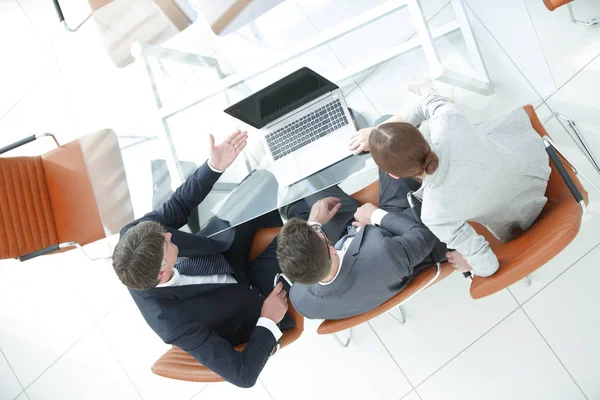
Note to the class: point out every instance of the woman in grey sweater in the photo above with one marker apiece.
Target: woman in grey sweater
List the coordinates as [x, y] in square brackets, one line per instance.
[494, 173]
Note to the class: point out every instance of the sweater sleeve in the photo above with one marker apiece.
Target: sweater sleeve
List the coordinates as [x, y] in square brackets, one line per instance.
[461, 236]
[424, 108]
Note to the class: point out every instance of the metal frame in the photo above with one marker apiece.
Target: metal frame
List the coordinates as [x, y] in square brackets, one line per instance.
[591, 22]
[80, 247]
[343, 343]
[425, 38]
[61, 18]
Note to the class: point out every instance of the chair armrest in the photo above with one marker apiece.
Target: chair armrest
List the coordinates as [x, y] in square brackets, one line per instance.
[41, 252]
[563, 173]
[26, 140]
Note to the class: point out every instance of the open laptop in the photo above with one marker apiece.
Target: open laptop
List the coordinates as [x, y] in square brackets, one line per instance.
[305, 123]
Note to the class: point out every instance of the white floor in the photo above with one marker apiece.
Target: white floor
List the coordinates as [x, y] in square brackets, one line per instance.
[69, 330]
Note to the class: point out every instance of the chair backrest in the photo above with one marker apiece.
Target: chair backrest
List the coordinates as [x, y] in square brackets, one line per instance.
[554, 4]
[177, 364]
[122, 23]
[53, 198]
[556, 226]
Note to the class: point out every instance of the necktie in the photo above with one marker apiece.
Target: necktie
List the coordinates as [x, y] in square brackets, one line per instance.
[202, 266]
[351, 233]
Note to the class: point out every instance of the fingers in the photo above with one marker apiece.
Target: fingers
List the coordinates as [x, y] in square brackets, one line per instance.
[233, 136]
[282, 295]
[211, 138]
[239, 149]
[277, 289]
[238, 137]
[356, 224]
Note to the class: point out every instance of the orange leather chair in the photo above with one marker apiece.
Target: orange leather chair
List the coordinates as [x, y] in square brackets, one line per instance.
[554, 4]
[177, 364]
[420, 282]
[71, 196]
[553, 230]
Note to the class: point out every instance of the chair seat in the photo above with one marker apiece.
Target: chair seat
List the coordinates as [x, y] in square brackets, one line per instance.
[420, 281]
[177, 364]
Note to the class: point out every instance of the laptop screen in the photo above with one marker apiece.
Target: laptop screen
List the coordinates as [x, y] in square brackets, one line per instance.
[281, 97]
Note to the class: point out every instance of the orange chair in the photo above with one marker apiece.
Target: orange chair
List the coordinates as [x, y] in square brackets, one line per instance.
[554, 4]
[71, 196]
[177, 364]
[554, 229]
[420, 282]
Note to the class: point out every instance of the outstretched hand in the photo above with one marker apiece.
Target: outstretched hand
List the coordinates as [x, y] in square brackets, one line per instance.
[222, 156]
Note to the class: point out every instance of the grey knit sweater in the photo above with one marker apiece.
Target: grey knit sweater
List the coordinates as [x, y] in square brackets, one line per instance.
[494, 173]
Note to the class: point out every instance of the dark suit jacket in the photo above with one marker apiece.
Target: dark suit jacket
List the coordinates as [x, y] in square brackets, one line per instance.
[206, 320]
[378, 264]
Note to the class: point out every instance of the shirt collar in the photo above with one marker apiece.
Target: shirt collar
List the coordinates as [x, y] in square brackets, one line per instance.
[174, 281]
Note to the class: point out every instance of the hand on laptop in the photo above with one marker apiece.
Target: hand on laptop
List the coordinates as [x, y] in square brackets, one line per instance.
[276, 305]
[458, 261]
[223, 155]
[360, 141]
[323, 210]
[363, 215]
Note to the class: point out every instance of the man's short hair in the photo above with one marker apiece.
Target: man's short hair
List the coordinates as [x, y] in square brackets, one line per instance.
[303, 256]
[138, 257]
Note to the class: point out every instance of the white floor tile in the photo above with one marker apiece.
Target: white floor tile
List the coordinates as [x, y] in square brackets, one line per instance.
[95, 282]
[334, 372]
[411, 396]
[137, 348]
[578, 100]
[564, 312]
[227, 391]
[386, 86]
[24, 55]
[42, 315]
[568, 47]
[520, 42]
[23, 396]
[9, 384]
[510, 362]
[87, 371]
[442, 321]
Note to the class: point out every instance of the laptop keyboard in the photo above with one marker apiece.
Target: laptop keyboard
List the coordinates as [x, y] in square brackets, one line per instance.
[307, 129]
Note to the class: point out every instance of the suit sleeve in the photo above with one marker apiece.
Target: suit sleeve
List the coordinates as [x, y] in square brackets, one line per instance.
[175, 211]
[239, 368]
[410, 245]
[461, 236]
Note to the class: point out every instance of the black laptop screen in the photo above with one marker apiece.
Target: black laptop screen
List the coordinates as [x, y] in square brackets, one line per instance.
[281, 97]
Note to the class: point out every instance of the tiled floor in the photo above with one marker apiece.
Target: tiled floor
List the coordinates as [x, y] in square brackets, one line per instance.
[69, 330]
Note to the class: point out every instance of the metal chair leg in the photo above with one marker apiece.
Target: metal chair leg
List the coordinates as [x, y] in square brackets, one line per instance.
[526, 281]
[341, 342]
[402, 319]
[579, 22]
[61, 18]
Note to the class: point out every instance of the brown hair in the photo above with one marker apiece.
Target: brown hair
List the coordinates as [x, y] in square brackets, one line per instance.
[400, 149]
[302, 254]
[138, 256]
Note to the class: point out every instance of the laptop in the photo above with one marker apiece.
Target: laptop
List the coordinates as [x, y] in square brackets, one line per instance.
[305, 123]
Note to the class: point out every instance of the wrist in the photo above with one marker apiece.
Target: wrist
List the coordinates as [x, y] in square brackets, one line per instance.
[215, 167]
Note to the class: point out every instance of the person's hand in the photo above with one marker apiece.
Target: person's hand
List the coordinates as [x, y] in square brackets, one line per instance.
[359, 142]
[458, 261]
[276, 305]
[363, 215]
[323, 210]
[221, 156]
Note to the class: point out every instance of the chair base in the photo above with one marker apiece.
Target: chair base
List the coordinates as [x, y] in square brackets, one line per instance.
[343, 343]
[579, 22]
[526, 281]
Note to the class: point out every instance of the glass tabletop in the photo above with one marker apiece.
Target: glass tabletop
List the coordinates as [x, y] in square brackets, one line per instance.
[248, 189]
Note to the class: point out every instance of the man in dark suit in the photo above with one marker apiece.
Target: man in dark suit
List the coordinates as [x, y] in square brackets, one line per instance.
[346, 259]
[200, 293]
